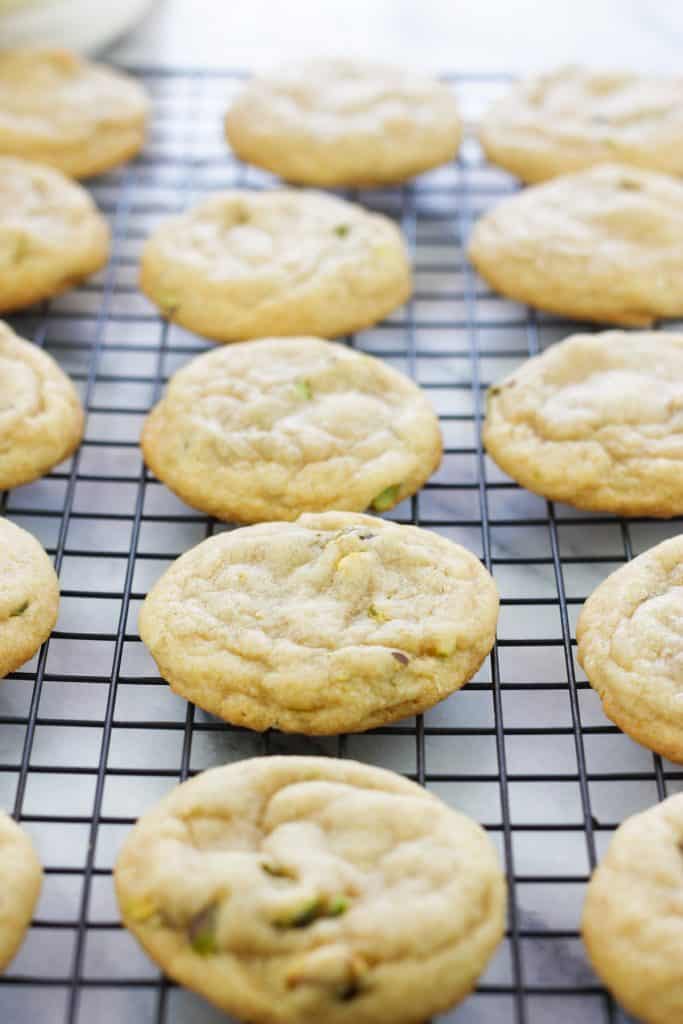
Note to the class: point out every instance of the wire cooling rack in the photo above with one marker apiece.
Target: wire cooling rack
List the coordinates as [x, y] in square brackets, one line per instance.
[89, 734]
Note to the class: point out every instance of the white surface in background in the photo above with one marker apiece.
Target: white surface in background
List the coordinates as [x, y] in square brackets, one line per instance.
[482, 35]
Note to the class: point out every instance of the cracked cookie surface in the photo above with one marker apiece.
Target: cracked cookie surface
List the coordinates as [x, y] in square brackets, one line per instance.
[41, 418]
[296, 889]
[603, 244]
[337, 622]
[267, 429]
[51, 233]
[630, 645]
[29, 596]
[20, 880]
[573, 118]
[633, 914]
[253, 264]
[344, 122]
[57, 108]
[595, 421]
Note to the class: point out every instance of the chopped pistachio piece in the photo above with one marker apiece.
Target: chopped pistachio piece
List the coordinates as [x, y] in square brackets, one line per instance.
[629, 185]
[444, 648]
[276, 870]
[342, 230]
[168, 303]
[19, 611]
[386, 498]
[202, 931]
[402, 658]
[303, 389]
[141, 909]
[300, 916]
[375, 613]
[336, 906]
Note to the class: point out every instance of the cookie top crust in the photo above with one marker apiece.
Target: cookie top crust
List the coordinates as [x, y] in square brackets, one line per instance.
[246, 265]
[51, 233]
[603, 244]
[595, 421]
[20, 882]
[633, 914]
[268, 429]
[574, 118]
[29, 596]
[58, 108]
[336, 622]
[41, 417]
[298, 889]
[630, 644]
[344, 122]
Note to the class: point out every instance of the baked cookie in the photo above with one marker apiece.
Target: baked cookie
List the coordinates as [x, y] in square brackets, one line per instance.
[29, 596]
[596, 422]
[21, 877]
[632, 922]
[574, 118]
[57, 108]
[336, 623]
[41, 418]
[268, 429]
[288, 890]
[604, 244]
[253, 264]
[51, 234]
[630, 645]
[344, 122]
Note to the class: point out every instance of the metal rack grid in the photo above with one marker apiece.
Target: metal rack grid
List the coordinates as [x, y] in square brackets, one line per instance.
[89, 734]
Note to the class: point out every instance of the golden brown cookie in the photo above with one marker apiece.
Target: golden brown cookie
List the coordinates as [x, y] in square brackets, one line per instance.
[29, 596]
[344, 122]
[20, 880]
[337, 622]
[293, 890]
[268, 429]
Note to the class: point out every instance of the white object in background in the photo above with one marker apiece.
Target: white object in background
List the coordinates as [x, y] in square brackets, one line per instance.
[83, 25]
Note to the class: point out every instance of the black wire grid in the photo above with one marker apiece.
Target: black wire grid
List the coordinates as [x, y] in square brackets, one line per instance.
[90, 736]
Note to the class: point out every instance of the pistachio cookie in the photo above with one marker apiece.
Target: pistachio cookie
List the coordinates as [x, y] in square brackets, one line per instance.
[29, 596]
[51, 234]
[20, 880]
[344, 122]
[632, 920]
[288, 890]
[604, 244]
[574, 118]
[41, 417]
[57, 108]
[335, 623]
[268, 429]
[252, 264]
[630, 645]
[595, 421]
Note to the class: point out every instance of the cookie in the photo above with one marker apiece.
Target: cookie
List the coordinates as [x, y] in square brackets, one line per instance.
[288, 890]
[57, 108]
[632, 921]
[574, 118]
[595, 421]
[41, 418]
[602, 244]
[29, 596]
[268, 429]
[344, 123]
[51, 234]
[252, 264]
[335, 623]
[630, 645]
[20, 880]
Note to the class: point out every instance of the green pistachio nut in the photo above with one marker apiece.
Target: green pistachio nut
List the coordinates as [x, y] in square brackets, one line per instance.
[386, 499]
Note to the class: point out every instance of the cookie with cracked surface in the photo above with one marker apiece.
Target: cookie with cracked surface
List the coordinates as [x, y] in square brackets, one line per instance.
[630, 645]
[59, 109]
[632, 923]
[253, 264]
[595, 421]
[338, 622]
[574, 118]
[41, 417]
[267, 429]
[51, 234]
[21, 878]
[29, 596]
[344, 123]
[294, 889]
[602, 244]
